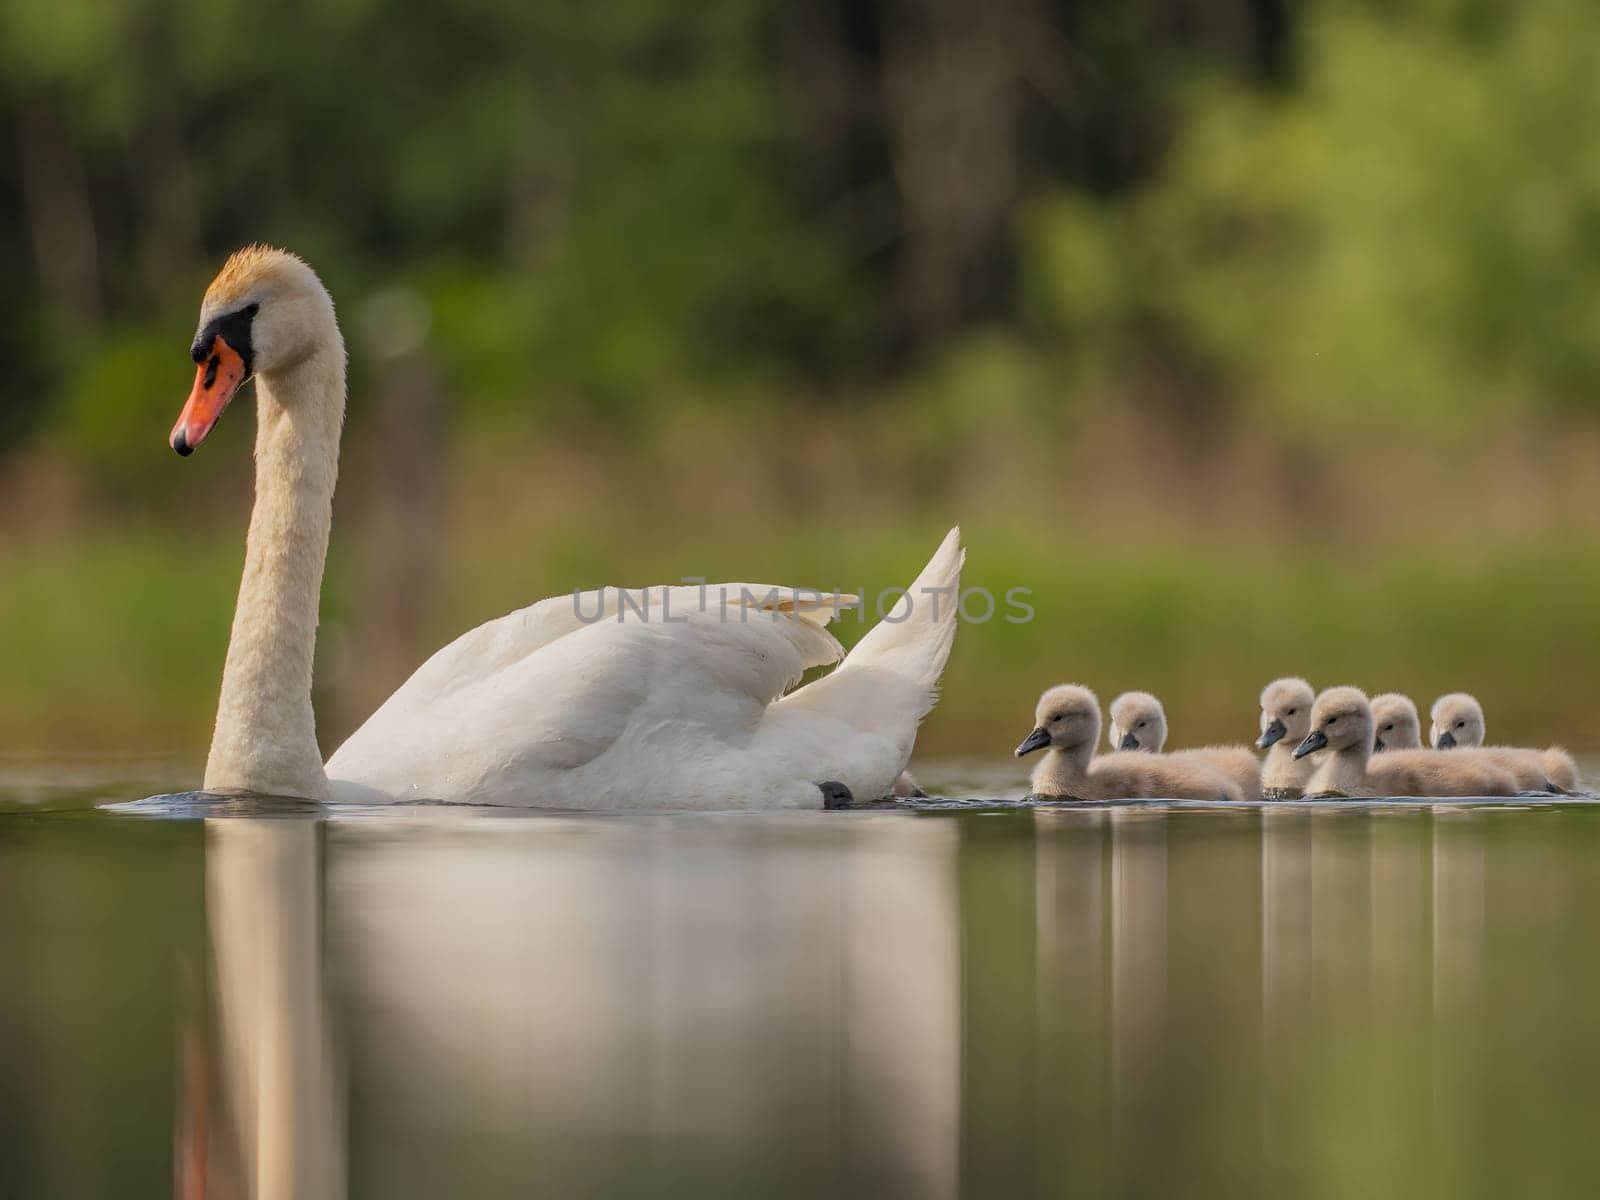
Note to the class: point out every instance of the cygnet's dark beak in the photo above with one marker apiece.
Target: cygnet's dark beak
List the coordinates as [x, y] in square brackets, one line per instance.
[1271, 735]
[1128, 742]
[1315, 740]
[1037, 740]
[1447, 741]
[1377, 745]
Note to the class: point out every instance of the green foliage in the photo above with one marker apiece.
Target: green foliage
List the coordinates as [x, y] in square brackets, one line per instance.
[1372, 210]
[114, 408]
[1413, 233]
[601, 200]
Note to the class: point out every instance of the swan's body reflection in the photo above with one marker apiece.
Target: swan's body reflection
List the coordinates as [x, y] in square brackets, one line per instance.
[580, 1006]
[1087, 1000]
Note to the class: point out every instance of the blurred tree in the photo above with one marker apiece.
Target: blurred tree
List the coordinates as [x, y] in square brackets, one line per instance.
[1413, 231]
[606, 205]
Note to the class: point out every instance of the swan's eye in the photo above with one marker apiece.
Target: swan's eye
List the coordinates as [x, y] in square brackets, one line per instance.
[1290, 713]
[1388, 727]
[1461, 724]
[1330, 720]
[1141, 725]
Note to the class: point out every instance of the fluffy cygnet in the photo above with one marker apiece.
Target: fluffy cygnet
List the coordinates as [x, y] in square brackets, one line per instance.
[1067, 726]
[1285, 721]
[1458, 723]
[1342, 725]
[1139, 722]
[1396, 723]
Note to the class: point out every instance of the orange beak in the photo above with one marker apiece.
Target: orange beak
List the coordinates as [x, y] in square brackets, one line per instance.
[216, 379]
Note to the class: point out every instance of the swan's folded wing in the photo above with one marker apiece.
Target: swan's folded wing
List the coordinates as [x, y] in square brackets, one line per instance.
[497, 644]
[556, 685]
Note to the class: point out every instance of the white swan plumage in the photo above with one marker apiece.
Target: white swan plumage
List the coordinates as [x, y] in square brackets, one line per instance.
[663, 697]
[674, 695]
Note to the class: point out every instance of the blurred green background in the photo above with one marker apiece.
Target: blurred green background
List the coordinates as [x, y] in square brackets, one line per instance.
[1253, 337]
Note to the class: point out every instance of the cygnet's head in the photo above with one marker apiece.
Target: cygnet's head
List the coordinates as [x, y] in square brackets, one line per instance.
[265, 312]
[1138, 722]
[1068, 717]
[1285, 712]
[1340, 719]
[1396, 723]
[1457, 721]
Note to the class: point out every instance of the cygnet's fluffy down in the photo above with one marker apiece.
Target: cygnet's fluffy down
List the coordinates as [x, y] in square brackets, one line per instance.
[1285, 721]
[1067, 727]
[1396, 723]
[1342, 727]
[1458, 724]
[1139, 722]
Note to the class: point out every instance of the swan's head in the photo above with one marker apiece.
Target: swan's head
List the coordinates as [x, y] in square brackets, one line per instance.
[266, 311]
[1395, 723]
[1457, 721]
[1340, 719]
[1067, 717]
[1138, 722]
[1285, 712]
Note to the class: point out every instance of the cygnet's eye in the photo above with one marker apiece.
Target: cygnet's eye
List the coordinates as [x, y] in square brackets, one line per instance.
[1141, 725]
[1330, 720]
[1388, 727]
[1290, 713]
[1461, 724]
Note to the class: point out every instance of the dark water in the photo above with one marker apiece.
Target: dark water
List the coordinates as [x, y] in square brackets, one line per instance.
[1341, 1000]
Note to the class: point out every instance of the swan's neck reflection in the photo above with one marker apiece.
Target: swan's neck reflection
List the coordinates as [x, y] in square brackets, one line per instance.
[282, 1133]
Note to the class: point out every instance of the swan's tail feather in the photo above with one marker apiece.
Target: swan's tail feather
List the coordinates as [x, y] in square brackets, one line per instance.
[914, 639]
[890, 680]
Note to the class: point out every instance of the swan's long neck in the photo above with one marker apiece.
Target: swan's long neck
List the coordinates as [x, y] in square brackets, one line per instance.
[266, 735]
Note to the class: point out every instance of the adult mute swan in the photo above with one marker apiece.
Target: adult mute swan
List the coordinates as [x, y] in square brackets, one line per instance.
[663, 697]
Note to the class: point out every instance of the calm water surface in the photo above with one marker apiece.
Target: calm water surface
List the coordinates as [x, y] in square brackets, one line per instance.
[1338, 1000]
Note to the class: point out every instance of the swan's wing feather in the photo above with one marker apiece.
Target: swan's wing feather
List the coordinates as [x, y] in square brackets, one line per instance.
[497, 644]
[584, 693]
[554, 687]
[817, 607]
